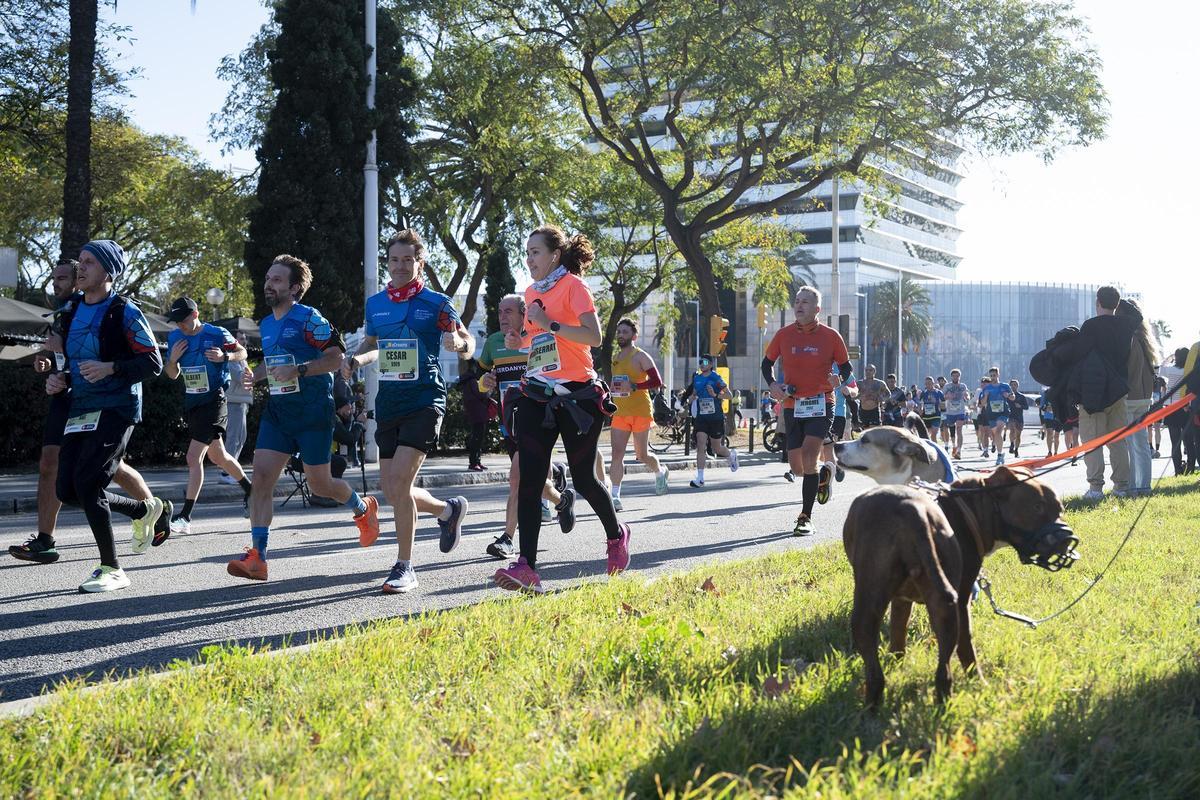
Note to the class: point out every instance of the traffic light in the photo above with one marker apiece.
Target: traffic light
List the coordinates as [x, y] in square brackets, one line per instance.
[718, 329]
[762, 316]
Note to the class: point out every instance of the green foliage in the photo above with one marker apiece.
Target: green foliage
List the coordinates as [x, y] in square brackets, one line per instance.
[500, 282]
[309, 194]
[917, 322]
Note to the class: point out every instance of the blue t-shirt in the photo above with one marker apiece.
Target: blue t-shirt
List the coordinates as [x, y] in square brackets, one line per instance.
[410, 338]
[839, 399]
[83, 344]
[995, 398]
[302, 334]
[196, 370]
[930, 402]
[700, 384]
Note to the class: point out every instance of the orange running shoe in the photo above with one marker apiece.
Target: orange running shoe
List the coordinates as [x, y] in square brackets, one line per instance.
[249, 566]
[368, 522]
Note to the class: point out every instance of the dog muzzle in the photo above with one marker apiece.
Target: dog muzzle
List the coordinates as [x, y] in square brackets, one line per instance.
[1051, 547]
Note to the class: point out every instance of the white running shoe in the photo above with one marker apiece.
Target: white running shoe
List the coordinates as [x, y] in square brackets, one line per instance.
[617, 505]
[228, 479]
[105, 579]
[143, 529]
[1093, 496]
[733, 462]
[660, 480]
[181, 526]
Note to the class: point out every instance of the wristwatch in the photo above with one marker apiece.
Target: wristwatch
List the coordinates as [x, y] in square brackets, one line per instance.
[302, 370]
[555, 327]
[226, 356]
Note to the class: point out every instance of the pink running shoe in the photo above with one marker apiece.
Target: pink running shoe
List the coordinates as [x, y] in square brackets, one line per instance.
[519, 576]
[618, 552]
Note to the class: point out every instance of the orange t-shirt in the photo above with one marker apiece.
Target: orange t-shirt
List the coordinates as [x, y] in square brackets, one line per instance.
[807, 357]
[556, 357]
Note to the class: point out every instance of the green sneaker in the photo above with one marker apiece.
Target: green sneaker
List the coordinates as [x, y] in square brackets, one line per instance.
[803, 526]
[143, 528]
[105, 579]
[33, 550]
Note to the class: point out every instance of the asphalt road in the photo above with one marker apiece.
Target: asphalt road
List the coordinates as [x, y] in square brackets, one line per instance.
[321, 580]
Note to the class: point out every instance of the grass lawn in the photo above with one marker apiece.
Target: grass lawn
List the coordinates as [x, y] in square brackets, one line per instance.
[629, 688]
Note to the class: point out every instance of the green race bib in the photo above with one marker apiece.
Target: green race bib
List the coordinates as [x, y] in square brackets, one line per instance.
[83, 423]
[282, 387]
[543, 355]
[195, 380]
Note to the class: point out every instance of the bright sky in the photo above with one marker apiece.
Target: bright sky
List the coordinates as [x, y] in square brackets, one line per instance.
[1109, 213]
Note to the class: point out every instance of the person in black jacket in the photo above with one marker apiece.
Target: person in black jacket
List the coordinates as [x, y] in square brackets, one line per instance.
[1101, 355]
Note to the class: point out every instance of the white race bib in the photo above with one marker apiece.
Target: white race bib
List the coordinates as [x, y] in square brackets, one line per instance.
[931, 409]
[83, 423]
[998, 406]
[282, 387]
[708, 405]
[620, 386]
[954, 406]
[398, 360]
[809, 407]
[195, 380]
[543, 355]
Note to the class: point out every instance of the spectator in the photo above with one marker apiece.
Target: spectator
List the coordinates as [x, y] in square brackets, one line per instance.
[1172, 373]
[764, 408]
[1142, 358]
[239, 400]
[478, 408]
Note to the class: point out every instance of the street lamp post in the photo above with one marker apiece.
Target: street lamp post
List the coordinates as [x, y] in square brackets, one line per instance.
[696, 303]
[370, 219]
[215, 297]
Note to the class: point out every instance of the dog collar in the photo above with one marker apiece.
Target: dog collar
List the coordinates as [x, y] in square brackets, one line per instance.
[949, 474]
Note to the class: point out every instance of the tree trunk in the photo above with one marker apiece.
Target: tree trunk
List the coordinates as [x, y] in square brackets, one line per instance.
[472, 301]
[687, 240]
[603, 360]
[81, 72]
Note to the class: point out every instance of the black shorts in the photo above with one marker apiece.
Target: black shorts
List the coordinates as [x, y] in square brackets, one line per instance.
[56, 419]
[1071, 424]
[870, 418]
[418, 430]
[1053, 424]
[95, 455]
[713, 427]
[838, 429]
[207, 422]
[510, 446]
[800, 429]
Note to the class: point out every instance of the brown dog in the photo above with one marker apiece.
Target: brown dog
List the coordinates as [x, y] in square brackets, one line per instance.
[906, 547]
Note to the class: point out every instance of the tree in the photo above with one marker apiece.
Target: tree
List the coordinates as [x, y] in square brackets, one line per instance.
[77, 183]
[706, 100]
[500, 281]
[916, 325]
[310, 187]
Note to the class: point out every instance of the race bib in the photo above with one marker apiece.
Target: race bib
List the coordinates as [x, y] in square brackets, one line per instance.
[998, 406]
[809, 407]
[398, 359]
[707, 405]
[931, 409]
[954, 406]
[620, 386]
[195, 380]
[543, 355]
[82, 423]
[281, 387]
[60, 362]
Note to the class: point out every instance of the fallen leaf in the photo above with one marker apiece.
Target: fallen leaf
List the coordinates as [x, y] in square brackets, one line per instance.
[630, 611]
[710, 587]
[961, 744]
[773, 687]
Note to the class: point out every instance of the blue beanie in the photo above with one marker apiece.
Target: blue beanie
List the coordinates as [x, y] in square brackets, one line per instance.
[109, 254]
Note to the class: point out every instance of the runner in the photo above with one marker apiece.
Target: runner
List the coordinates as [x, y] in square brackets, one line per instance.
[406, 325]
[633, 376]
[895, 403]
[109, 352]
[200, 352]
[1051, 425]
[1071, 429]
[983, 427]
[505, 369]
[956, 409]
[995, 397]
[871, 394]
[1017, 406]
[806, 350]
[706, 391]
[930, 402]
[40, 548]
[560, 396]
[844, 394]
[300, 351]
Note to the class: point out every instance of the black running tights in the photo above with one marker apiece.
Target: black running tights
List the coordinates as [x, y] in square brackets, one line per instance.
[536, 445]
[86, 465]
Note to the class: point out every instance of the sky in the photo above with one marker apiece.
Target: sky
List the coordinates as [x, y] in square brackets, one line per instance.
[1111, 212]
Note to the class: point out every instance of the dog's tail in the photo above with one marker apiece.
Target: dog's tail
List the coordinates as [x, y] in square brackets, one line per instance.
[915, 425]
[933, 567]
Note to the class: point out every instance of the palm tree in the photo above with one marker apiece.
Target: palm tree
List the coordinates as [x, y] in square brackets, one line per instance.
[917, 323]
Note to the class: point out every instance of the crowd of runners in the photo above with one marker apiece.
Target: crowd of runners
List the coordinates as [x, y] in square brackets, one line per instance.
[539, 366]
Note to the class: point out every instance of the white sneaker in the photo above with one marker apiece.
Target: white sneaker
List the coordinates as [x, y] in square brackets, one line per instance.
[105, 579]
[1093, 496]
[733, 462]
[181, 526]
[143, 529]
[617, 505]
[660, 480]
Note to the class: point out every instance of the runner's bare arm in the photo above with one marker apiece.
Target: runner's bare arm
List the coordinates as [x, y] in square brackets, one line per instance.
[367, 352]
[459, 340]
[586, 332]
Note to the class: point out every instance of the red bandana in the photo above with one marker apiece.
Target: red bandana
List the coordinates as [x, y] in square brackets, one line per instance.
[406, 292]
[809, 328]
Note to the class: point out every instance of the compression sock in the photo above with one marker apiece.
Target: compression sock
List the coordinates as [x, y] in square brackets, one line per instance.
[808, 491]
[188, 505]
[258, 538]
[356, 503]
[245, 484]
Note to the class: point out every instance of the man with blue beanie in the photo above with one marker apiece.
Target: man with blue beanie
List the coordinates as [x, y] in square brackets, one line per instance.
[109, 351]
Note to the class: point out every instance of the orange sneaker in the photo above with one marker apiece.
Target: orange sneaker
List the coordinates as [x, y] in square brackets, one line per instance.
[368, 522]
[249, 566]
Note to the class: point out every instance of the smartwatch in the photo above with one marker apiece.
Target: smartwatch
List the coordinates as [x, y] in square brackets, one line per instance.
[302, 370]
[555, 327]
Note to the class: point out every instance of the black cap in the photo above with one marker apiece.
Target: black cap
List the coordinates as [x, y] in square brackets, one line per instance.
[181, 308]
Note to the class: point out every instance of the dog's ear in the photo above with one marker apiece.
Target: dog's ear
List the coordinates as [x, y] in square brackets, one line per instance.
[907, 447]
[1005, 475]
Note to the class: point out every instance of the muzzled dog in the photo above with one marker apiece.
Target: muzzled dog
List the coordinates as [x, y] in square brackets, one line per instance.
[906, 547]
[894, 456]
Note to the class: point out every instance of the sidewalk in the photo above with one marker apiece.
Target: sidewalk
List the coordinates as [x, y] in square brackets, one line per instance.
[18, 491]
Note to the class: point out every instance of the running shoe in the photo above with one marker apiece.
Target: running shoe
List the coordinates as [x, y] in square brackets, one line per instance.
[452, 528]
[1092, 496]
[660, 480]
[502, 548]
[180, 525]
[999, 459]
[368, 522]
[617, 504]
[1123, 494]
[33, 550]
[519, 576]
[401, 579]
[789, 476]
[227, 479]
[143, 530]
[558, 476]
[733, 462]
[105, 579]
[162, 527]
[249, 566]
[547, 514]
[804, 526]
[824, 484]
[839, 474]
[695, 483]
[566, 511]
[618, 551]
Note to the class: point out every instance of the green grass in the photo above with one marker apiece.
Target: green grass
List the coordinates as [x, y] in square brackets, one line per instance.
[629, 688]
